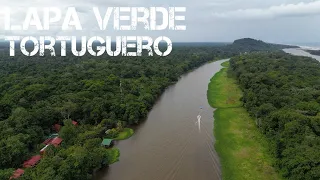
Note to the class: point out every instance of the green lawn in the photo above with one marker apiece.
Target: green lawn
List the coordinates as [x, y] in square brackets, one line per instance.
[242, 149]
[125, 134]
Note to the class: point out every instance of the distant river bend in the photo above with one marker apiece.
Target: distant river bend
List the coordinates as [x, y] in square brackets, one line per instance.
[169, 145]
[300, 52]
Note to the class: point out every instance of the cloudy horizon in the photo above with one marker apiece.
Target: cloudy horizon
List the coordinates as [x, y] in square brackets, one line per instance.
[276, 21]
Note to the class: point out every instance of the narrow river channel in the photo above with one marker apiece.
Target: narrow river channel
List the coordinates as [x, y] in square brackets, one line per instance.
[169, 145]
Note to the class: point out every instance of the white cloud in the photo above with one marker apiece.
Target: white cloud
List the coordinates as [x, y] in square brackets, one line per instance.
[219, 3]
[283, 10]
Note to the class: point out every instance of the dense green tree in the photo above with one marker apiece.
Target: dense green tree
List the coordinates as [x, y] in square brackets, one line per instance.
[6, 173]
[68, 132]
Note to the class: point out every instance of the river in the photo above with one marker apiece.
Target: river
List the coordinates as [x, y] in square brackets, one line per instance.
[300, 52]
[169, 144]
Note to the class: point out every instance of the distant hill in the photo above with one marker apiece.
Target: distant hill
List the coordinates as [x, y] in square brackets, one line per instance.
[250, 45]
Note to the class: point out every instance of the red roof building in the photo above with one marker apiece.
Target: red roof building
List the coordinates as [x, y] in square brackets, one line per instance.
[17, 173]
[57, 127]
[75, 123]
[56, 141]
[32, 162]
[47, 141]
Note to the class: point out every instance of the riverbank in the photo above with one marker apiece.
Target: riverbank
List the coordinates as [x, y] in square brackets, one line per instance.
[242, 149]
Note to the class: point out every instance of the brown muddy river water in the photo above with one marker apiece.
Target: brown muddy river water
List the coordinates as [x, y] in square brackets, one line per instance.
[169, 145]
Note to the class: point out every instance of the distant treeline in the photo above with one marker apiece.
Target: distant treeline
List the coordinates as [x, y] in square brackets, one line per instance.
[282, 92]
[98, 92]
[314, 52]
[238, 46]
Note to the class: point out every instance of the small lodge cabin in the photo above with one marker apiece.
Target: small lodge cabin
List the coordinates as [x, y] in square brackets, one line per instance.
[17, 173]
[56, 141]
[34, 160]
[75, 123]
[47, 141]
[107, 143]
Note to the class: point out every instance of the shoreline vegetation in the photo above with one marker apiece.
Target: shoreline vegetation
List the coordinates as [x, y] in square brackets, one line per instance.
[243, 150]
[282, 93]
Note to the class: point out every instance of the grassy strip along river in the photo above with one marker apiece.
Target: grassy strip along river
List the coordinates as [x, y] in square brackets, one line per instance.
[243, 150]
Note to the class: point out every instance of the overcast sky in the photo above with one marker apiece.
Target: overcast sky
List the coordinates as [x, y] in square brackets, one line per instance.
[282, 21]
